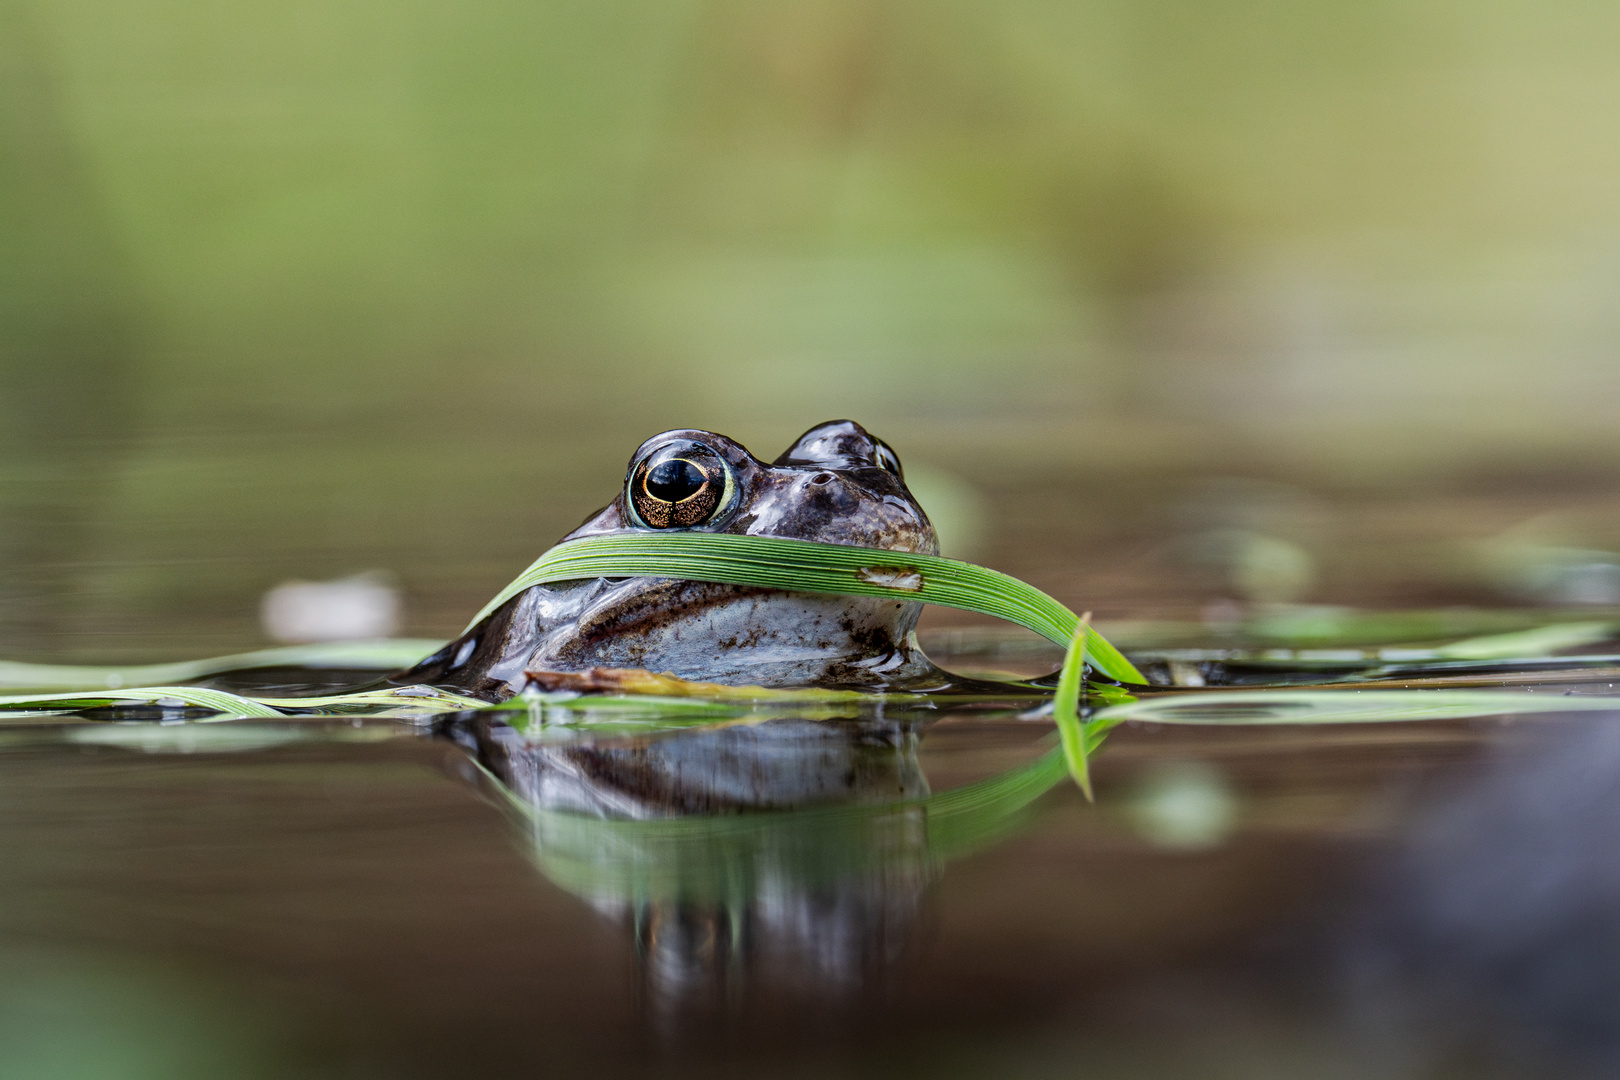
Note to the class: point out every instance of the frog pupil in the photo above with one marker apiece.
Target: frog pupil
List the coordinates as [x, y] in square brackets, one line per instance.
[674, 480]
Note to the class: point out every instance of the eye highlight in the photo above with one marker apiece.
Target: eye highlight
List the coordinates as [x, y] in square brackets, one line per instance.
[680, 485]
[887, 459]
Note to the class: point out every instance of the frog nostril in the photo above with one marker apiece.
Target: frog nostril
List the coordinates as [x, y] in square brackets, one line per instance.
[821, 478]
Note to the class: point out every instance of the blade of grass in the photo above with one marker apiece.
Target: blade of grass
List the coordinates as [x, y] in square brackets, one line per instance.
[1348, 706]
[201, 697]
[418, 698]
[1066, 709]
[804, 566]
[385, 655]
[415, 698]
[770, 562]
[1540, 641]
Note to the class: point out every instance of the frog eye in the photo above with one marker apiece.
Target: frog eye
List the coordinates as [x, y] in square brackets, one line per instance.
[680, 485]
[887, 459]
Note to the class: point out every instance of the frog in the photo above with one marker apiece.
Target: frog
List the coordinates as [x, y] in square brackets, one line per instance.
[836, 484]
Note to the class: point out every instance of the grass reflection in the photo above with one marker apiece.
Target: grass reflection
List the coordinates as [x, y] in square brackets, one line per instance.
[785, 852]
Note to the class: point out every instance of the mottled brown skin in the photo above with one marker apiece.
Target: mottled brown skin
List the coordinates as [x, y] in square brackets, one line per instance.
[836, 484]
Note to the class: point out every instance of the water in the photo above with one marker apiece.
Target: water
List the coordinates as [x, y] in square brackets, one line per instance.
[889, 891]
[324, 296]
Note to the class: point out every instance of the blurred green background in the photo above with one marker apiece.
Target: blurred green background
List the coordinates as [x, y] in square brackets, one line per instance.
[1137, 289]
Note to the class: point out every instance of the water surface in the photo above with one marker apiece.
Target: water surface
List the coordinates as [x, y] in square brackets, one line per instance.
[888, 891]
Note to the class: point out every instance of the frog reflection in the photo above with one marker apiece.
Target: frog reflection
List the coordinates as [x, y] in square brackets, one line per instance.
[660, 833]
[784, 857]
[836, 484]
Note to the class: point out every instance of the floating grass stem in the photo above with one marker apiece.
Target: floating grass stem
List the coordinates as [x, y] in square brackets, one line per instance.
[200, 697]
[385, 655]
[1347, 706]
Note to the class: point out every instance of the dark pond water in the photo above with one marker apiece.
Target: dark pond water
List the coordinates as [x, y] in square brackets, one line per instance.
[871, 892]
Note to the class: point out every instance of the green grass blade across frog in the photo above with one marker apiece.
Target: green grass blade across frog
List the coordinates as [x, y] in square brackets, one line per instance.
[836, 484]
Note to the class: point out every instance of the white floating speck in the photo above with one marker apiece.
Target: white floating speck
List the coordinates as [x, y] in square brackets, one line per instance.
[353, 608]
[1185, 806]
